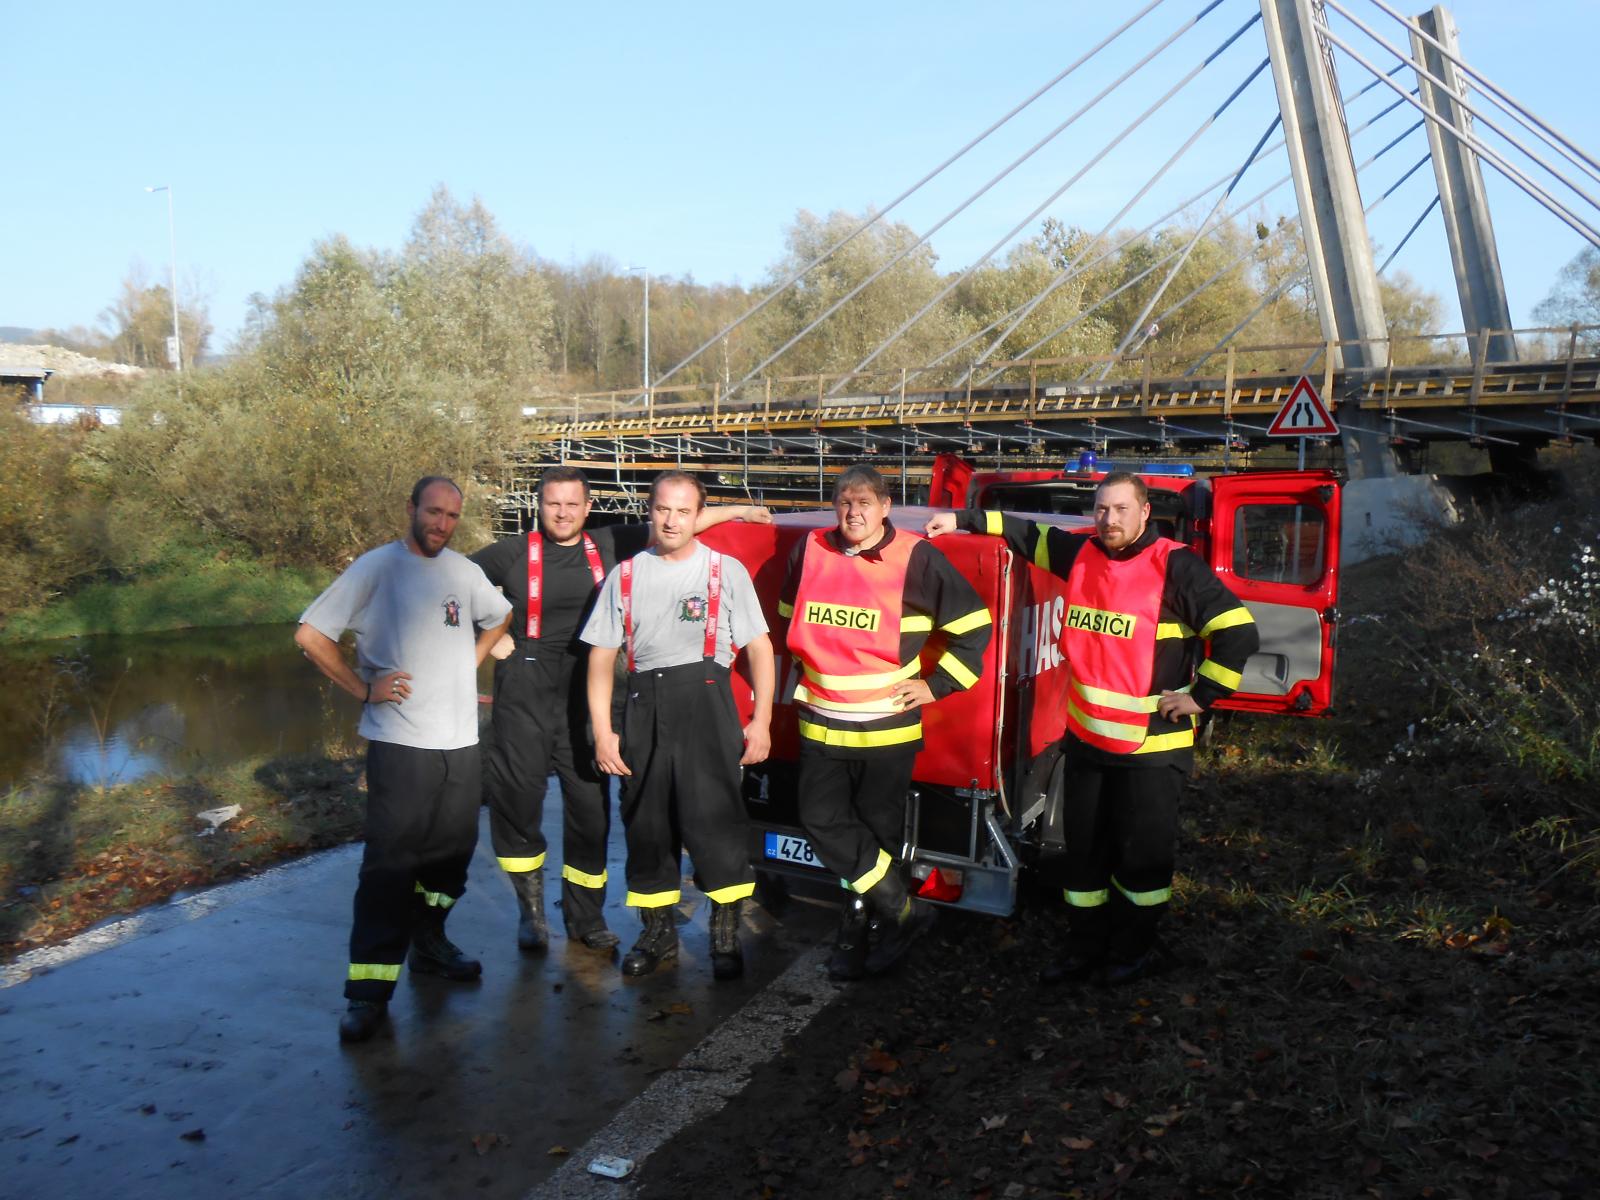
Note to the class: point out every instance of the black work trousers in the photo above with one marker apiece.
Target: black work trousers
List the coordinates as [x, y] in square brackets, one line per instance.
[540, 725]
[682, 741]
[421, 829]
[853, 809]
[1119, 824]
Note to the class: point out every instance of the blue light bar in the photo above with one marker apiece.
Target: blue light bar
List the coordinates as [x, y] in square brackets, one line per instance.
[1089, 463]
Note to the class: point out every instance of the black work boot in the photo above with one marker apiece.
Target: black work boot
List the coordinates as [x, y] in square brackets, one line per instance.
[1075, 966]
[727, 960]
[361, 1019]
[656, 945]
[600, 939]
[903, 922]
[434, 954]
[533, 935]
[849, 958]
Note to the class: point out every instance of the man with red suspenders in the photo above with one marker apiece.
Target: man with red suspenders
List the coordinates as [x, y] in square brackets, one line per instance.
[1139, 607]
[680, 612]
[551, 575]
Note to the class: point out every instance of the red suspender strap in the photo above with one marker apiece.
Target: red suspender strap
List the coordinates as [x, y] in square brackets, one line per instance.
[713, 604]
[536, 575]
[626, 583]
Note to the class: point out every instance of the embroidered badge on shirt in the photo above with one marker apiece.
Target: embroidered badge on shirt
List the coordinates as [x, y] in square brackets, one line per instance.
[692, 608]
[452, 613]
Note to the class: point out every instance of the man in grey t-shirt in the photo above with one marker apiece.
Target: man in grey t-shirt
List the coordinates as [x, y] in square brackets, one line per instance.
[680, 611]
[424, 618]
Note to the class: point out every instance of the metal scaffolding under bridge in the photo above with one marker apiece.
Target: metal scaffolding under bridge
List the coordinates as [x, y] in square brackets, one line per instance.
[778, 441]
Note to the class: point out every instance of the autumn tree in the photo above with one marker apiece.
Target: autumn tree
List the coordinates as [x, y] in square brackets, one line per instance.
[139, 321]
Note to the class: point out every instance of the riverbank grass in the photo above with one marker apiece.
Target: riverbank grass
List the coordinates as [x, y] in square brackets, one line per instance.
[194, 592]
[71, 856]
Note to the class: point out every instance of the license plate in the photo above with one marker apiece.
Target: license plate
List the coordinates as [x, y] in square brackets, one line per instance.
[785, 847]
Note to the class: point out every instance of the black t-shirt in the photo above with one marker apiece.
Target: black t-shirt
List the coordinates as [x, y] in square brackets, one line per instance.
[569, 588]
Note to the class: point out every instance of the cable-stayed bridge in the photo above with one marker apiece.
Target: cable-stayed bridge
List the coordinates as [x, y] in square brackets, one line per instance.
[999, 393]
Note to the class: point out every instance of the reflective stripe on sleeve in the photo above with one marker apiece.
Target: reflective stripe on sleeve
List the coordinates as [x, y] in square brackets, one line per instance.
[994, 524]
[1227, 620]
[916, 624]
[735, 891]
[956, 669]
[1087, 899]
[652, 899]
[1041, 551]
[1173, 629]
[874, 876]
[520, 866]
[975, 619]
[785, 609]
[386, 972]
[1218, 673]
[583, 878]
[1144, 899]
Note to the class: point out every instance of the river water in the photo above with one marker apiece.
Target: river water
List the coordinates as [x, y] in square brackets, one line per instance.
[102, 711]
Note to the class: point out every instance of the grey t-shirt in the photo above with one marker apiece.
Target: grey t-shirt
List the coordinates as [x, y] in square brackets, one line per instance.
[417, 615]
[669, 610]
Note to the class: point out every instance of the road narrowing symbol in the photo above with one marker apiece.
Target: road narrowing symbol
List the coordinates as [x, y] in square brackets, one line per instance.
[1303, 414]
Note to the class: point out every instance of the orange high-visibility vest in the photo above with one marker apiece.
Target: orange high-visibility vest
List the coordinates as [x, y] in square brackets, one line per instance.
[845, 630]
[1113, 613]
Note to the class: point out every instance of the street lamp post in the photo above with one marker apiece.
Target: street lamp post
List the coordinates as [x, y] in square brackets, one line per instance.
[172, 247]
[646, 271]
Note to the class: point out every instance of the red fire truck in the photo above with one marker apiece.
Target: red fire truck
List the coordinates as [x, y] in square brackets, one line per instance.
[986, 796]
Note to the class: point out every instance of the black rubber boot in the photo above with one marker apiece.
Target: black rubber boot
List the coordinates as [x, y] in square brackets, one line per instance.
[656, 945]
[727, 960]
[600, 939]
[533, 934]
[1071, 967]
[434, 954]
[903, 922]
[361, 1019]
[849, 958]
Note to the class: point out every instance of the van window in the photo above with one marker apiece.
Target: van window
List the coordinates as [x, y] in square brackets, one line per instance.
[1279, 543]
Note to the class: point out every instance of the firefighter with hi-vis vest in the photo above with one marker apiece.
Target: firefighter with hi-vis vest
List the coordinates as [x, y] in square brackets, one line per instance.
[540, 717]
[1140, 610]
[861, 600]
[680, 612]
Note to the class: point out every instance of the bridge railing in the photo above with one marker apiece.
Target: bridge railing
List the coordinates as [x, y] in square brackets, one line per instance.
[897, 394]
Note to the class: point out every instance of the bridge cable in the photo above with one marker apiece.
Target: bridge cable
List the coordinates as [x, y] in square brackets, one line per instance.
[1415, 225]
[1037, 146]
[1529, 119]
[893, 204]
[1290, 280]
[1532, 189]
[1077, 267]
[1052, 198]
[1461, 100]
[1153, 267]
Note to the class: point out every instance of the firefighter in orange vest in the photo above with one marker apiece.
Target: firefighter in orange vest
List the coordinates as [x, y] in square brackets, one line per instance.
[861, 600]
[1139, 607]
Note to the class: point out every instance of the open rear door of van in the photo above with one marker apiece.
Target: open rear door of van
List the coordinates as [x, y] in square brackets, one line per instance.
[1275, 543]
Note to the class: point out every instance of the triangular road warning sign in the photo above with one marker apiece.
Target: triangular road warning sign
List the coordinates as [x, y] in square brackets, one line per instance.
[1303, 414]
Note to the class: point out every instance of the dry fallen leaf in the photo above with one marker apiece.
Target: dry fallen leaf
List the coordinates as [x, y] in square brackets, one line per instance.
[557, 1151]
[1072, 1143]
[1115, 1099]
[994, 1122]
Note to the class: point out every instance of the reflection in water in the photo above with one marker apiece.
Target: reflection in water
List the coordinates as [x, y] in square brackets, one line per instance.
[109, 710]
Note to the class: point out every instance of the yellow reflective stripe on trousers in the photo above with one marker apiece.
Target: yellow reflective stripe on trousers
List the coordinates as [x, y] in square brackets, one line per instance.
[1111, 729]
[957, 669]
[652, 899]
[734, 891]
[916, 624]
[1173, 629]
[976, 619]
[1156, 743]
[434, 899]
[1087, 899]
[1218, 673]
[863, 683]
[1144, 899]
[1227, 620]
[994, 524]
[860, 739]
[520, 866]
[785, 609]
[384, 972]
[874, 876]
[583, 878]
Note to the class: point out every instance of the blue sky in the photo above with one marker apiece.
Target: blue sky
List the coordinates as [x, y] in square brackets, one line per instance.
[683, 138]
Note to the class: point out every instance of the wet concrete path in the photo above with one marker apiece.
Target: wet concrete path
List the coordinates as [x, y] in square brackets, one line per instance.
[200, 1056]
